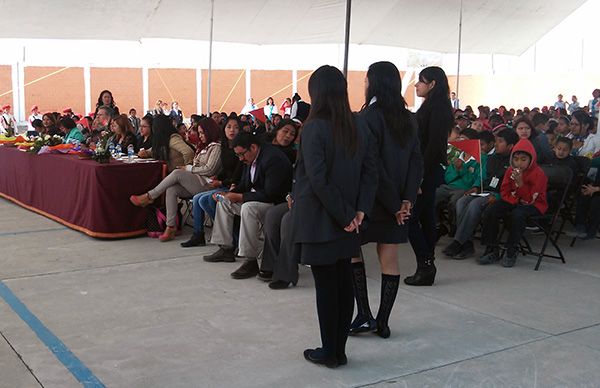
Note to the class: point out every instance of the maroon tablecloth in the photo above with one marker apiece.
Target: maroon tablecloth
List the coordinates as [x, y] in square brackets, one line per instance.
[84, 195]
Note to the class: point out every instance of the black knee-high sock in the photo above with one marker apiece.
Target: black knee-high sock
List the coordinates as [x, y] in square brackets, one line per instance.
[345, 303]
[389, 290]
[361, 293]
[326, 287]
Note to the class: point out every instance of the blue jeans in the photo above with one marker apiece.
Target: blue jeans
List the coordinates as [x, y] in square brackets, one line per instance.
[204, 203]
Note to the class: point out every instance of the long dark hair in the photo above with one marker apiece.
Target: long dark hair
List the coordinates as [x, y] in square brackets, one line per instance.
[100, 103]
[386, 85]
[436, 103]
[440, 93]
[162, 129]
[328, 92]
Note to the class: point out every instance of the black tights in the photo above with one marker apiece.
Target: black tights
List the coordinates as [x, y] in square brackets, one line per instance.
[335, 305]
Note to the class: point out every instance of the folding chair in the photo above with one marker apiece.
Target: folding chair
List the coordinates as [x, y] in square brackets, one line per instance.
[559, 180]
[187, 207]
[570, 205]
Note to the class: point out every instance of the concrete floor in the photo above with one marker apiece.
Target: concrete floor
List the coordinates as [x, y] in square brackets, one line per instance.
[140, 313]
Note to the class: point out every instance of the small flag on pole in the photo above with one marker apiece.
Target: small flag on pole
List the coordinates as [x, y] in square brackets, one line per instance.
[259, 114]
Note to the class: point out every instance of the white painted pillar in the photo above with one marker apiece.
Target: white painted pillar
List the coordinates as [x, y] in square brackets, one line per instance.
[87, 86]
[199, 91]
[294, 81]
[248, 84]
[145, 89]
[23, 110]
[17, 105]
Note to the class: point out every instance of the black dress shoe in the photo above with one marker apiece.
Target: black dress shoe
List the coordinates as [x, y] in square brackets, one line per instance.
[363, 325]
[223, 254]
[247, 270]
[383, 332]
[197, 240]
[279, 285]
[316, 356]
[265, 276]
[425, 276]
[342, 359]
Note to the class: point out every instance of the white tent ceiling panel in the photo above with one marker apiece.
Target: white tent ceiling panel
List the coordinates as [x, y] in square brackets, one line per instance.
[489, 26]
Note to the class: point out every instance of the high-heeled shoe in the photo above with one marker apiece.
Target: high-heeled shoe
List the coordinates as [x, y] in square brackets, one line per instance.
[168, 234]
[316, 356]
[141, 200]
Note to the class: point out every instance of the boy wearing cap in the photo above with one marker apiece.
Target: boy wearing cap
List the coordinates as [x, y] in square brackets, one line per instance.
[7, 122]
[35, 115]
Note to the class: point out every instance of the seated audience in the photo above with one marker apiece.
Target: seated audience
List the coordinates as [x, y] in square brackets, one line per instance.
[50, 127]
[266, 179]
[562, 155]
[231, 172]
[587, 214]
[167, 144]
[123, 135]
[470, 207]
[37, 126]
[461, 174]
[71, 133]
[283, 138]
[524, 128]
[523, 194]
[145, 138]
[186, 181]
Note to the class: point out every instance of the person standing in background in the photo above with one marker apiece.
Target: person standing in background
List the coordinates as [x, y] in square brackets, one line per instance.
[574, 105]
[135, 121]
[176, 114]
[7, 121]
[454, 101]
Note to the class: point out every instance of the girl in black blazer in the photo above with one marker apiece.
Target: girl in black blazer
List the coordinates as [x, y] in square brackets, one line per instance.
[400, 174]
[435, 120]
[335, 183]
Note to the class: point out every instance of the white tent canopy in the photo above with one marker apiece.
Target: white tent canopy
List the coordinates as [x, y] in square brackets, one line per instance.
[500, 27]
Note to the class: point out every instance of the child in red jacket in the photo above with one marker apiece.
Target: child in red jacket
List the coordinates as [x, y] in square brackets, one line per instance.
[523, 195]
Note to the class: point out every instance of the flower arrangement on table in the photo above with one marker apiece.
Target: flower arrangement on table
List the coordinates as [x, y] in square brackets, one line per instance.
[101, 152]
[45, 144]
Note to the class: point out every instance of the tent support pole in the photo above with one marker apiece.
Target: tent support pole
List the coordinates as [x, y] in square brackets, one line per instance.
[459, 48]
[210, 49]
[347, 37]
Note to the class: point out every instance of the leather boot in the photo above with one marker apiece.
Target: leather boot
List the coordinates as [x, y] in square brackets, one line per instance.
[425, 275]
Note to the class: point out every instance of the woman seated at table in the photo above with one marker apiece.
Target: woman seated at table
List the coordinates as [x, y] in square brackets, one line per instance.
[123, 135]
[231, 172]
[145, 138]
[284, 136]
[50, 127]
[186, 181]
[71, 133]
[168, 145]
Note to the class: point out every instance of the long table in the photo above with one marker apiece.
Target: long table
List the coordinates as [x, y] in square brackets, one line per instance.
[84, 195]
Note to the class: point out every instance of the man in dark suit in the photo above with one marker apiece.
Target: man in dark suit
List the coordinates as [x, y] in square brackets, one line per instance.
[266, 180]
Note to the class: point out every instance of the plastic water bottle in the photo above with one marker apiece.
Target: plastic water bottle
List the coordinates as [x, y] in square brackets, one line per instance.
[223, 199]
[118, 150]
[111, 149]
[130, 153]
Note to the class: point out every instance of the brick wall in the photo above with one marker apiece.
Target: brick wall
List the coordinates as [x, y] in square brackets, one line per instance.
[54, 88]
[125, 85]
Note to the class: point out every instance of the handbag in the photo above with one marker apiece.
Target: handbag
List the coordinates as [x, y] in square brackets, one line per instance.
[156, 220]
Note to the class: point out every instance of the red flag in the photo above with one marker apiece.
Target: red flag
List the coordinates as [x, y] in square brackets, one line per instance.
[471, 147]
[259, 114]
